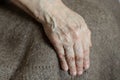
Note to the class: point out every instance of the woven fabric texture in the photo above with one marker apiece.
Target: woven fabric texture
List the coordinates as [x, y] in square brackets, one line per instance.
[26, 53]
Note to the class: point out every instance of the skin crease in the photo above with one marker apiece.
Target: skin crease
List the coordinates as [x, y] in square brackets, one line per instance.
[67, 31]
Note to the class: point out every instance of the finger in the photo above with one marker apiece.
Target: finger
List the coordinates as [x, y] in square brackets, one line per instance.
[86, 52]
[60, 51]
[86, 58]
[79, 57]
[70, 59]
[61, 56]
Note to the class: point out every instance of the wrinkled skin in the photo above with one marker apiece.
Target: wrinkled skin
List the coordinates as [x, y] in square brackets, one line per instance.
[67, 31]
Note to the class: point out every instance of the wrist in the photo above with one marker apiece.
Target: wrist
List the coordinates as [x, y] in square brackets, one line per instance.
[37, 8]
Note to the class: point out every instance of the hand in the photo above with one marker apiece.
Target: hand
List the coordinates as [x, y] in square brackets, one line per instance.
[70, 37]
[66, 30]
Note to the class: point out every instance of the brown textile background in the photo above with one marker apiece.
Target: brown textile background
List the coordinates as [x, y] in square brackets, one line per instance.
[26, 53]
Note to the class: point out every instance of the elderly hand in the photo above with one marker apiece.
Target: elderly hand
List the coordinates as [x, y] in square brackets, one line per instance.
[70, 37]
[66, 30]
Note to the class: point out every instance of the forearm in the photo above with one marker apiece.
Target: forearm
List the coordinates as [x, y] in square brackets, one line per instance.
[36, 8]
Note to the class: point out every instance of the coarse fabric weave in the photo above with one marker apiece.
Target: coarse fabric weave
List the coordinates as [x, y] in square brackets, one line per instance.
[26, 53]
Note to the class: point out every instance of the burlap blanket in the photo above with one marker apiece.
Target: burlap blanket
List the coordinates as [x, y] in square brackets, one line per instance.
[26, 53]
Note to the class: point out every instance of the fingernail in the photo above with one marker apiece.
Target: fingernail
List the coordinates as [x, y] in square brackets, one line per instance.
[87, 66]
[73, 73]
[80, 72]
[65, 69]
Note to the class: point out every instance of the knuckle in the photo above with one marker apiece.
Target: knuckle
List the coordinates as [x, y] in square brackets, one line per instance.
[75, 34]
[78, 58]
[74, 30]
[79, 67]
[73, 26]
[71, 59]
[66, 34]
[76, 37]
[67, 39]
[86, 51]
[68, 48]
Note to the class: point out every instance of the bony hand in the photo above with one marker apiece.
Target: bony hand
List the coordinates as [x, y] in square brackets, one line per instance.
[70, 37]
[66, 30]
